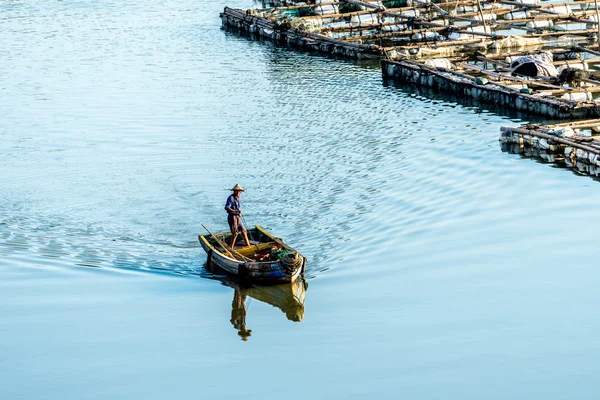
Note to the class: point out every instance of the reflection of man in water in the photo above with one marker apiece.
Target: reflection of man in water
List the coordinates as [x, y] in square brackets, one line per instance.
[238, 315]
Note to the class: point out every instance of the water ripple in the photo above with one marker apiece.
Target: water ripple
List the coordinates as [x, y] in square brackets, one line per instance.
[125, 126]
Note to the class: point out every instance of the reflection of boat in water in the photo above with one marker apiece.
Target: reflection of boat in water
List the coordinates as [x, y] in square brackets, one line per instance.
[288, 297]
[267, 259]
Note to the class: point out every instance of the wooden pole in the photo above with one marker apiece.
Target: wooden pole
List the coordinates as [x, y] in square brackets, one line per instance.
[577, 124]
[509, 78]
[597, 20]
[230, 251]
[557, 139]
[482, 16]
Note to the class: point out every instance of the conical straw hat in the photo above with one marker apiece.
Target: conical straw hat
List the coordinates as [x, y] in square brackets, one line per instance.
[237, 187]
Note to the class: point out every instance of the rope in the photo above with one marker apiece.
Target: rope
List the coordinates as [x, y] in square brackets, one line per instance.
[290, 261]
[249, 231]
[246, 226]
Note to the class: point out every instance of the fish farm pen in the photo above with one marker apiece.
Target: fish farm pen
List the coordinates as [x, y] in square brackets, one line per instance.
[538, 57]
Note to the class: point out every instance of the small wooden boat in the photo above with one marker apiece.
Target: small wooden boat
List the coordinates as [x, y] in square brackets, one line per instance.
[267, 259]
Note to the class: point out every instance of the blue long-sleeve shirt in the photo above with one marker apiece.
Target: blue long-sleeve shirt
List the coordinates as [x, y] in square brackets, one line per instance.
[233, 204]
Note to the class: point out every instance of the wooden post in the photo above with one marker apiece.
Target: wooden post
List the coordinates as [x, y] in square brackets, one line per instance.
[483, 16]
[598, 21]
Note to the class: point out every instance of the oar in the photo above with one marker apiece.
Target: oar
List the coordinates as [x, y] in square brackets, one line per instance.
[231, 252]
[219, 242]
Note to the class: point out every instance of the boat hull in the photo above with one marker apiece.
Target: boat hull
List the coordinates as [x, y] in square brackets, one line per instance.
[257, 271]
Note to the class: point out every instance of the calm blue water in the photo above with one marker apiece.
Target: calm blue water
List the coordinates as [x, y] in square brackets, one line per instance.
[439, 266]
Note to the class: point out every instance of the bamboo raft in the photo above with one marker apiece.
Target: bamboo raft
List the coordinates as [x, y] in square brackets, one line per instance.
[294, 37]
[487, 79]
[417, 28]
[575, 143]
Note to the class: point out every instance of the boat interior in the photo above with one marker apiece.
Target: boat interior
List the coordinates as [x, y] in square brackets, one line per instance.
[262, 246]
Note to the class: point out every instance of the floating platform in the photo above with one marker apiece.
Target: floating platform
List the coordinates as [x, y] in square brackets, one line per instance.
[281, 32]
[488, 78]
[417, 28]
[574, 143]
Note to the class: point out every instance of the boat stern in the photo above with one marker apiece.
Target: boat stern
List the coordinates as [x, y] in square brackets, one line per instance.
[292, 265]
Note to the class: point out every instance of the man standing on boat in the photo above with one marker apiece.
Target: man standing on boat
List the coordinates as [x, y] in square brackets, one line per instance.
[232, 206]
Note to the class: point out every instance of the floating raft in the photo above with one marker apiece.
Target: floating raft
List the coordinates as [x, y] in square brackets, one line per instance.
[487, 78]
[417, 28]
[277, 31]
[575, 143]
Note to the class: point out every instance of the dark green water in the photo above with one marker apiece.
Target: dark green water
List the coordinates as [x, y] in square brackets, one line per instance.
[439, 266]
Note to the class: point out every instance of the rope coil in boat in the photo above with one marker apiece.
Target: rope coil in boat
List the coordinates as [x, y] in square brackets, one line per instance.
[290, 262]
